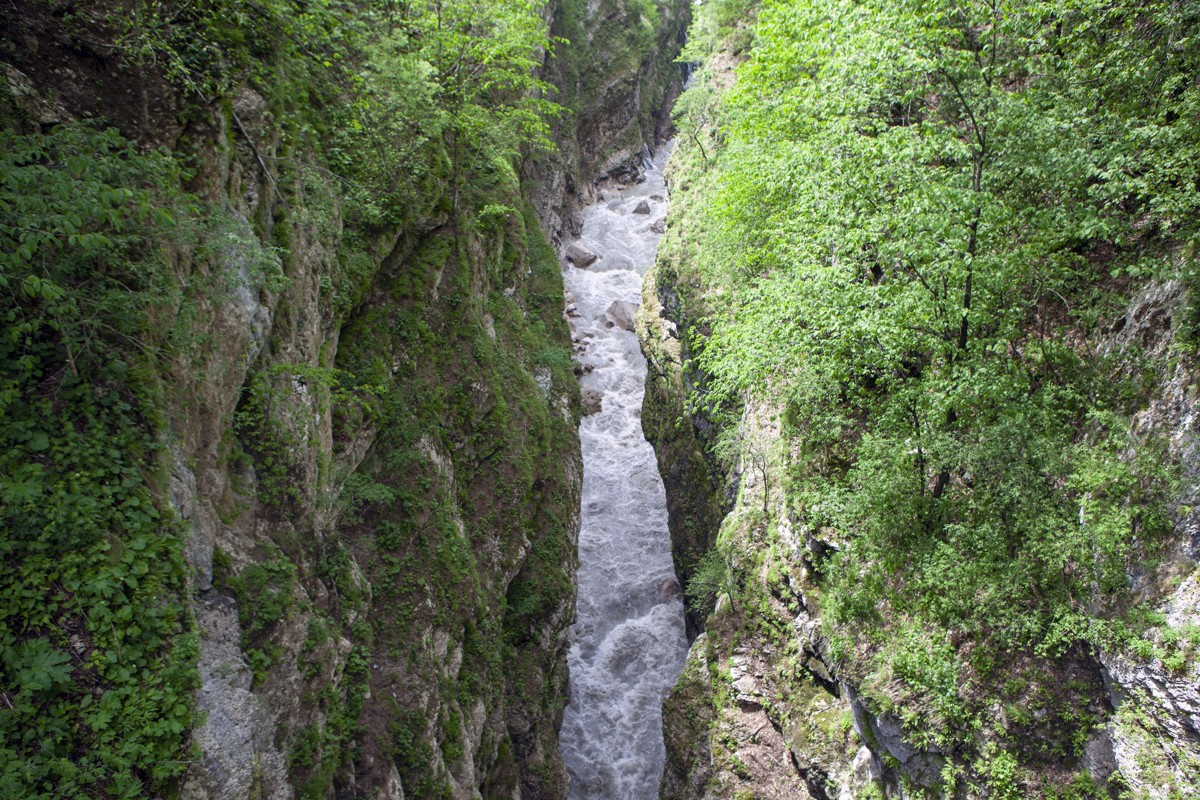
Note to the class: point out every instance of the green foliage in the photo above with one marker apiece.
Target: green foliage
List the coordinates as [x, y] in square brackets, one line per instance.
[272, 420]
[38, 667]
[895, 216]
[908, 227]
[264, 592]
[711, 577]
[724, 23]
[83, 220]
[397, 98]
[96, 663]
[209, 46]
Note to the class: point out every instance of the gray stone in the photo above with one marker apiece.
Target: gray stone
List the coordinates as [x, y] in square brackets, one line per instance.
[581, 256]
[592, 400]
[865, 769]
[238, 753]
[642, 208]
[621, 313]
[1098, 758]
[883, 734]
[544, 379]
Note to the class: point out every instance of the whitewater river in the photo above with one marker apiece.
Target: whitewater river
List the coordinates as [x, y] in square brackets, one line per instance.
[629, 637]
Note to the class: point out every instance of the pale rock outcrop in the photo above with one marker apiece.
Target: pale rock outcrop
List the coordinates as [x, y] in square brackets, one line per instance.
[1155, 732]
[237, 755]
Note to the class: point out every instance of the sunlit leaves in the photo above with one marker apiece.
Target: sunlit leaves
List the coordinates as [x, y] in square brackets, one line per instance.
[902, 232]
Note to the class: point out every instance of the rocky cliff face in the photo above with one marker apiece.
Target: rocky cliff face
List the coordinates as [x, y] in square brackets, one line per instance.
[369, 436]
[1153, 737]
[387, 573]
[614, 71]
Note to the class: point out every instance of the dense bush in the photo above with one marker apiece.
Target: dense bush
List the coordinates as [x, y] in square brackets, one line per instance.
[95, 663]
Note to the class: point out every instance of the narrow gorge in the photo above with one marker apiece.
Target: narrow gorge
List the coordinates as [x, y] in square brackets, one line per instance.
[435, 400]
[629, 633]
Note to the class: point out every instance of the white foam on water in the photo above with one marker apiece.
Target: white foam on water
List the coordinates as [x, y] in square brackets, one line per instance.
[629, 642]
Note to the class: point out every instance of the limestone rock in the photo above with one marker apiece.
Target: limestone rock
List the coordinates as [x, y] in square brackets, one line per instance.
[544, 379]
[592, 400]
[238, 753]
[687, 720]
[883, 734]
[621, 313]
[866, 772]
[1155, 733]
[580, 255]
[744, 684]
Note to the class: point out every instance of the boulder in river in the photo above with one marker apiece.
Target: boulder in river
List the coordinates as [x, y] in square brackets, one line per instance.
[592, 401]
[642, 208]
[580, 255]
[668, 589]
[621, 312]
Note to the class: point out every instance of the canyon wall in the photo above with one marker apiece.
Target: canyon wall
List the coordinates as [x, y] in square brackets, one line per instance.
[353, 403]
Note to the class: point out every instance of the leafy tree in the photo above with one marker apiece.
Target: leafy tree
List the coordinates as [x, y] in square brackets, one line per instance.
[911, 212]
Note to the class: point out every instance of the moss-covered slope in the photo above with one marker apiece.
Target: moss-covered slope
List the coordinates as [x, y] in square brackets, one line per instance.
[291, 475]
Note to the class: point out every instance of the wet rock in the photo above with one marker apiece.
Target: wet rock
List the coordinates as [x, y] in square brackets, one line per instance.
[659, 225]
[688, 714]
[581, 256]
[621, 313]
[642, 208]
[668, 589]
[592, 401]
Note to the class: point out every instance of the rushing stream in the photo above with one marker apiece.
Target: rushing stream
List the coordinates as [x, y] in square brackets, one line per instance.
[629, 636]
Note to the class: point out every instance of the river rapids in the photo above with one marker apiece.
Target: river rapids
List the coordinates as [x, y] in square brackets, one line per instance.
[629, 641]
